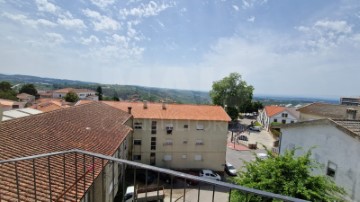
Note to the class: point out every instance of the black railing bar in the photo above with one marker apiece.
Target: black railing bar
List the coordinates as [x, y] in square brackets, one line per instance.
[49, 171]
[93, 178]
[229, 195]
[192, 177]
[38, 156]
[146, 183]
[213, 195]
[17, 182]
[113, 180]
[184, 190]
[34, 174]
[172, 186]
[64, 168]
[84, 170]
[167, 171]
[76, 177]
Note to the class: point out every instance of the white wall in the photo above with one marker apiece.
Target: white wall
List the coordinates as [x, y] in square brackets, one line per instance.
[333, 145]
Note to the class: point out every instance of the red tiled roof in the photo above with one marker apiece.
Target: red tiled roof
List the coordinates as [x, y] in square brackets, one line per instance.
[94, 127]
[326, 110]
[24, 96]
[173, 111]
[273, 110]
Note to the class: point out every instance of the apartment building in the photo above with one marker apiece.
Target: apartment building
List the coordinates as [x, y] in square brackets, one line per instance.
[178, 136]
[351, 101]
[93, 127]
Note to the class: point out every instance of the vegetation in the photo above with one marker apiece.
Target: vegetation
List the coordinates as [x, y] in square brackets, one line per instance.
[234, 93]
[29, 89]
[286, 175]
[71, 97]
[99, 92]
[6, 92]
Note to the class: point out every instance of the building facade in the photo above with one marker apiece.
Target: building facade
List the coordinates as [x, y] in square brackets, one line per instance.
[335, 144]
[276, 114]
[84, 94]
[178, 136]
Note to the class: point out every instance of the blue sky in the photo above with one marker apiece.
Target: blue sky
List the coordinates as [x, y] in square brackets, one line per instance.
[281, 47]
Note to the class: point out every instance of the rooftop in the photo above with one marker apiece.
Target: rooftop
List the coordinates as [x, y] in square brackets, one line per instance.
[18, 113]
[172, 111]
[93, 127]
[274, 110]
[66, 90]
[328, 110]
[24, 96]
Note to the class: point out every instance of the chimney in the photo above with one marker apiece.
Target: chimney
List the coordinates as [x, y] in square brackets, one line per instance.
[351, 113]
[163, 105]
[129, 110]
[145, 104]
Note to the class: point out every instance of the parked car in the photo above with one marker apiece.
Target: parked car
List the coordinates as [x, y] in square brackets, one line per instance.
[230, 169]
[243, 138]
[255, 128]
[209, 174]
[262, 155]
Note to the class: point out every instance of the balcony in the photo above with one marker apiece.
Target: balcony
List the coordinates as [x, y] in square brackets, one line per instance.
[77, 175]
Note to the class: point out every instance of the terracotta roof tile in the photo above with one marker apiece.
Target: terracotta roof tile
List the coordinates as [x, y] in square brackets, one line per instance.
[328, 110]
[273, 110]
[66, 90]
[173, 111]
[94, 127]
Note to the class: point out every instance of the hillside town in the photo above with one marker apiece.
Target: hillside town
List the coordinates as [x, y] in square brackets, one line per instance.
[198, 140]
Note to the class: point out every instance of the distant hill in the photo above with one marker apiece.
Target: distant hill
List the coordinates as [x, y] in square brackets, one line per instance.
[124, 92]
[139, 93]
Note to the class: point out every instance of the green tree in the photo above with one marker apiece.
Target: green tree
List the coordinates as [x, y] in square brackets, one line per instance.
[29, 89]
[232, 92]
[6, 92]
[99, 92]
[287, 175]
[71, 97]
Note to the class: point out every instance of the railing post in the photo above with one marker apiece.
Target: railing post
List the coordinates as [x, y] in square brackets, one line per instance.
[34, 174]
[17, 182]
[76, 178]
[64, 168]
[93, 179]
[49, 170]
[84, 170]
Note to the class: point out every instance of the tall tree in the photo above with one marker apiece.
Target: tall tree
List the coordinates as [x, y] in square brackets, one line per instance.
[6, 92]
[286, 175]
[29, 89]
[71, 97]
[99, 92]
[232, 92]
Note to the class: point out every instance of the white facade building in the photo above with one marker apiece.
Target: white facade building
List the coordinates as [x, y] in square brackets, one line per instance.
[84, 94]
[335, 144]
[277, 114]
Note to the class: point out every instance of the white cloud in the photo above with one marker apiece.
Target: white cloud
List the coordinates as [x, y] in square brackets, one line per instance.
[102, 3]
[235, 7]
[69, 22]
[251, 19]
[101, 22]
[90, 40]
[54, 38]
[336, 26]
[145, 10]
[120, 39]
[30, 22]
[246, 4]
[44, 5]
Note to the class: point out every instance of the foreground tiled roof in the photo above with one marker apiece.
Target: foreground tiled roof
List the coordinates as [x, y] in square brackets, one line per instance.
[328, 110]
[94, 127]
[66, 90]
[351, 125]
[173, 111]
[273, 110]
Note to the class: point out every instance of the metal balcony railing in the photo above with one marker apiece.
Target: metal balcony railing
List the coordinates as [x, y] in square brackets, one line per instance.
[77, 175]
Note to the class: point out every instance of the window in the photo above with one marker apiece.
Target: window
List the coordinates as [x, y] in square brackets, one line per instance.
[292, 121]
[199, 142]
[169, 129]
[183, 156]
[283, 121]
[137, 142]
[137, 157]
[185, 141]
[153, 143]
[331, 169]
[167, 157]
[138, 125]
[186, 126]
[168, 142]
[197, 157]
[153, 127]
[275, 120]
[284, 115]
[199, 127]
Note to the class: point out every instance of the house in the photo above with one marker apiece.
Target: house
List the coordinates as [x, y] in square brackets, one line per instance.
[50, 104]
[18, 113]
[335, 144]
[84, 94]
[93, 127]
[351, 101]
[178, 136]
[11, 104]
[24, 97]
[276, 114]
[324, 110]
